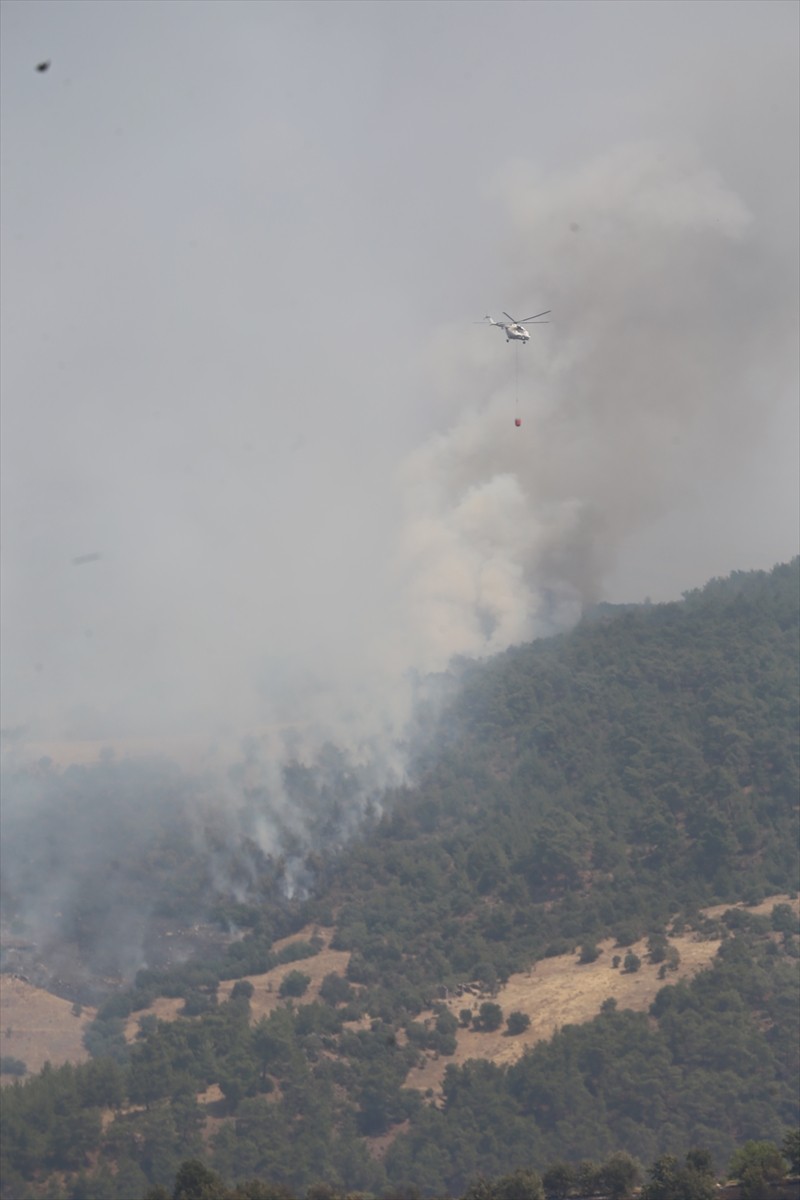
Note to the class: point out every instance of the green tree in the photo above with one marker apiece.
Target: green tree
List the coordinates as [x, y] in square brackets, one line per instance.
[670, 1181]
[479, 1189]
[194, 1181]
[517, 1022]
[784, 919]
[272, 1041]
[619, 1175]
[558, 1181]
[657, 947]
[243, 989]
[490, 1016]
[700, 1160]
[486, 974]
[335, 989]
[522, 1184]
[755, 1165]
[294, 984]
[791, 1149]
[587, 1177]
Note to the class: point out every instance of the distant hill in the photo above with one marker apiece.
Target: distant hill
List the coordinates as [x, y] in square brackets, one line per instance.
[593, 783]
[587, 793]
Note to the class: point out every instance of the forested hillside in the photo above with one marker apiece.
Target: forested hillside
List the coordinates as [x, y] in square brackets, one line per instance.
[609, 782]
[602, 781]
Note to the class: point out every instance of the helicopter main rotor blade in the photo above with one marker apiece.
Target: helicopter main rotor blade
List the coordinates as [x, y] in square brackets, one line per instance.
[535, 315]
[511, 319]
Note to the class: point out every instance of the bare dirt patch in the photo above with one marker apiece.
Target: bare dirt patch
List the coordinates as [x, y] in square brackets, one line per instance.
[266, 997]
[166, 1008]
[377, 1146]
[557, 992]
[38, 1027]
[213, 1102]
[109, 1115]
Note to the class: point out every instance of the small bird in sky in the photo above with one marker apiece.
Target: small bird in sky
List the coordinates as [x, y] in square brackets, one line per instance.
[43, 66]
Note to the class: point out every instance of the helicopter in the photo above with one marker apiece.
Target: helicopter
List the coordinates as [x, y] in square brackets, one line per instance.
[515, 330]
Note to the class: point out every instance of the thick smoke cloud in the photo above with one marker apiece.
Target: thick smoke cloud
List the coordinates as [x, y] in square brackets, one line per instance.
[650, 385]
[256, 492]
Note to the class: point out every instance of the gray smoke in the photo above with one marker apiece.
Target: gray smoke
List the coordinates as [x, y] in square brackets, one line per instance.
[673, 337]
[672, 331]
[228, 381]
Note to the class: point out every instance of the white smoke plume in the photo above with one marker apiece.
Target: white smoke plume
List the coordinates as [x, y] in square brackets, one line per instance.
[247, 495]
[672, 337]
[650, 383]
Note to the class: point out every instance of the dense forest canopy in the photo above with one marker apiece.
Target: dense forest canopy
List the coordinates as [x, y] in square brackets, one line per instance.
[609, 782]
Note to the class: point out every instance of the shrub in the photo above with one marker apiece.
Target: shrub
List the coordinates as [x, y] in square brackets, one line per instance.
[243, 989]
[490, 1016]
[558, 947]
[517, 1022]
[783, 919]
[294, 984]
[335, 990]
[197, 1003]
[296, 951]
[657, 947]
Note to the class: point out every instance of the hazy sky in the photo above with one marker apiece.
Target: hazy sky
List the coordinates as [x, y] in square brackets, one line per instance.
[243, 248]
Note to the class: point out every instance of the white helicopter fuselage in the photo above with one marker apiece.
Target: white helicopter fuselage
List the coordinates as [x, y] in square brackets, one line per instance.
[514, 330]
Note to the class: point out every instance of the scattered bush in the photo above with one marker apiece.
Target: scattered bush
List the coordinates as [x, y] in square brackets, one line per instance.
[517, 1022]
[294, 984]
[490, 1016]
[242, 989]
[296, 951]
[335, 990]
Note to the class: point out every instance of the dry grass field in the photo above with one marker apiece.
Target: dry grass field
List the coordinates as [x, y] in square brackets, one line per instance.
[556, 992]
[37, 1027]
[266, 996]
[561, 991]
